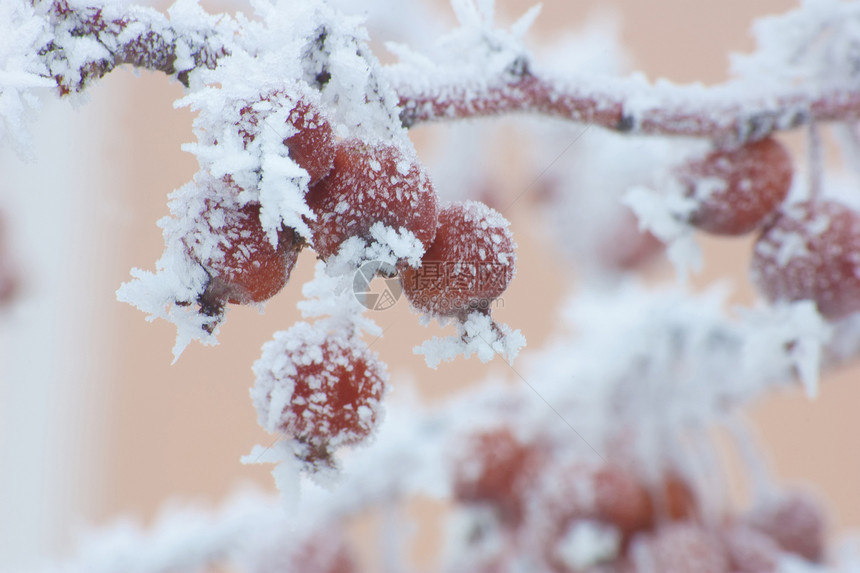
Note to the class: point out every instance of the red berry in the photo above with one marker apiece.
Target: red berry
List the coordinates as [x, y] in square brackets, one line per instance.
[370, 184]
[736, 189]
[468, 265]
[811, 251]
[498, 469]
[676, 500]
[311, 147]
[622, 500]
[606, 495]
[793, 521]
[244, 267]
[323, 389]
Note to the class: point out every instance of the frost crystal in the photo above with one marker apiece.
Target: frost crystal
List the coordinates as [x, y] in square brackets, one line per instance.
[478, 335]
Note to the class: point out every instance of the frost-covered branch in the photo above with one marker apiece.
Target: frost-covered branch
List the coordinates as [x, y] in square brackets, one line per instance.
[724, 113]
[803, 71]
[88, 41]
[248, 533]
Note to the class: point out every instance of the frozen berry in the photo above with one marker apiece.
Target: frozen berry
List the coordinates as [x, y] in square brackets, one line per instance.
[498, 469]
[811, 251]
[675, 500]
[622, 500]
[243, 266]
[323, 389]
[608, 497]
[736, 189]
[469, 264]
[370, 184]
[311, 146]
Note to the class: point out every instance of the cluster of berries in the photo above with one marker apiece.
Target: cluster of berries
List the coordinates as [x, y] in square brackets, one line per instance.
[806, 250]
[354, 185]
[525, 493]
[333, 384]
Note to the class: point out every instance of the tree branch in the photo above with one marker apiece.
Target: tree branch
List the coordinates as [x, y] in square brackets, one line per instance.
[631, 105]
[90, 42]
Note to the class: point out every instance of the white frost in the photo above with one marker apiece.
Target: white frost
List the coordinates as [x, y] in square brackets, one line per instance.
[587, 543]
[478, 335]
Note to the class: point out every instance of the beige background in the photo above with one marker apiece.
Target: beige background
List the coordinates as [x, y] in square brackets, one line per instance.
[162, 431]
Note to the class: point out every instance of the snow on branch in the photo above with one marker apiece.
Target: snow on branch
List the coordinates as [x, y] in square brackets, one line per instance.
[89, 40]
[803, 72]
[250, 532]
